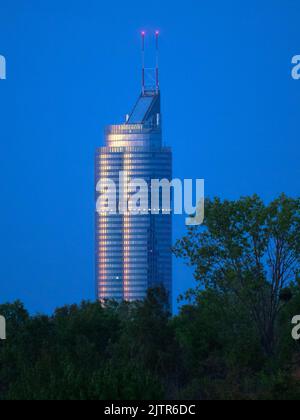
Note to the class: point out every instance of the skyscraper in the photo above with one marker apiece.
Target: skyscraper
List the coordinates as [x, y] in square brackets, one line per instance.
[133, 252]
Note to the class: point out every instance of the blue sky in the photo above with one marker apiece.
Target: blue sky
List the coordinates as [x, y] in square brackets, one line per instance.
[231, 113]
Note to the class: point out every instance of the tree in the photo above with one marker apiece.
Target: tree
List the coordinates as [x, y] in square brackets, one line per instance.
[147, 344]
[250, 250]
[221, 351]
[90, 352]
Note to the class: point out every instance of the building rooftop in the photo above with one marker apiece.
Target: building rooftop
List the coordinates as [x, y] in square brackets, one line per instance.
[146, 109]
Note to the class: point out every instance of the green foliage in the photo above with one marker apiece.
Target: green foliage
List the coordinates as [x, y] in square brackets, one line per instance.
[88, 352]
[230, 341]
[251, 251]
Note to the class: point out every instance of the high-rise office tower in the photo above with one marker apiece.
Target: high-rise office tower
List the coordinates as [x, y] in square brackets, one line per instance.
[133, 252]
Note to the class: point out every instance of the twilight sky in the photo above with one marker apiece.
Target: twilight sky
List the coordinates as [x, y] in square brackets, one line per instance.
[231, 113]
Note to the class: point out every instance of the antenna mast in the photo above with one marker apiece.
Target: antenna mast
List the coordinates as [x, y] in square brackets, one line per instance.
[157, 61]
[143, 61]
[151, 73]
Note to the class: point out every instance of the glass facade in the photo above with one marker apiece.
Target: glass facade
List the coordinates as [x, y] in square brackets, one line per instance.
[133, 252]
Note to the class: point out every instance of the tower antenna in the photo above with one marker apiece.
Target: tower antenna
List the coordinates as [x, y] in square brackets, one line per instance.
[143, 61]
[157, 60]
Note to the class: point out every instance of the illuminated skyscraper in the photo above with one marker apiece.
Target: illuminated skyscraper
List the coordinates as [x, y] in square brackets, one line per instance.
[133, 252]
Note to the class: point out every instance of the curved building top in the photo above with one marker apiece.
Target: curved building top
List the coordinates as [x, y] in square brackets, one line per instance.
[142, 127]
